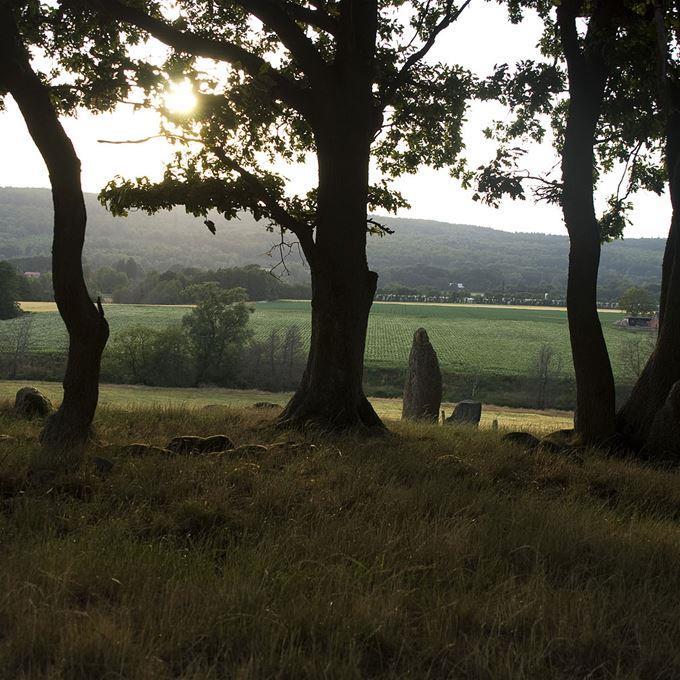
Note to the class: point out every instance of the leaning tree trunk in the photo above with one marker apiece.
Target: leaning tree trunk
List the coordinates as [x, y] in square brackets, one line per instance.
[595, 392]
[68, 429]
[331, 394]
[662, 371]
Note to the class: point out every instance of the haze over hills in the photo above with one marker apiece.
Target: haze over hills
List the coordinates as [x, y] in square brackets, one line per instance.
[420, 254]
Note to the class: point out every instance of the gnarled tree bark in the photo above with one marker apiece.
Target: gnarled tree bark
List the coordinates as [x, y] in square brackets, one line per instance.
[588, 72]
[331, 393]
[662, 371]
[69, 428]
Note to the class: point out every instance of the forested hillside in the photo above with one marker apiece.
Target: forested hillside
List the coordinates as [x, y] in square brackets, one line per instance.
[419, 254]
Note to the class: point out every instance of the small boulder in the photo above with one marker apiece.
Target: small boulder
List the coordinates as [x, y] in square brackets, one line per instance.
[664, 435]
[31, 403]
[198, 445]
[248, 450]
[145, 450]
[528, 441]
[423, 387]
[467, 412]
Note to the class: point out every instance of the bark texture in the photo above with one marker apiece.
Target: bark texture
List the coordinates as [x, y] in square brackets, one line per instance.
[641, 419]
[588, 72]
[331, 394]
[69, 427]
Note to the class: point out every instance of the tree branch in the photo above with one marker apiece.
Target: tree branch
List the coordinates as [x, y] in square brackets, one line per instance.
[278, 213]
[276, 17]
[288, 90]
[317, 18]
[449, 17]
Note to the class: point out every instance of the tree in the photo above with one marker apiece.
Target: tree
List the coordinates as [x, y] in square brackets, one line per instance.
[68, 428]
[345, 81]
[636, 301]
[546, 366]
[634, 354]
[637, 418]
[606, 120]
[218, 330]
[9, 288]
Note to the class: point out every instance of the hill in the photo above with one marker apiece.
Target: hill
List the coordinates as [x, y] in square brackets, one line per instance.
[420, 253]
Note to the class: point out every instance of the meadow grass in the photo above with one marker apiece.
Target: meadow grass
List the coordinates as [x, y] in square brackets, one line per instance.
[431, 553]
[134, 396]
[487, 339]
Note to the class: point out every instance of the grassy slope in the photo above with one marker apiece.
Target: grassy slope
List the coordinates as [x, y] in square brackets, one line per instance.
[135, 396]
[435, 553]
[497, 341]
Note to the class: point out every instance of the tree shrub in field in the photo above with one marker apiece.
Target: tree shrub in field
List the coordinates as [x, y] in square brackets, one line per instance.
[9, 289]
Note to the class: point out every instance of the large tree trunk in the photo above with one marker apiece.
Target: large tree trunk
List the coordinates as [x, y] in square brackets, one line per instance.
[595, 392]
[69, 428]
[331, 394]
[636, 417]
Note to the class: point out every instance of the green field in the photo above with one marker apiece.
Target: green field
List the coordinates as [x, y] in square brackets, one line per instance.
[468, 339]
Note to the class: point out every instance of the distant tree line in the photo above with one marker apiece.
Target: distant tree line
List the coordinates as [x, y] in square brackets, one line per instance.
[125, 281]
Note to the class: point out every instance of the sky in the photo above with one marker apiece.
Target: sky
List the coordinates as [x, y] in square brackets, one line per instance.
[481, 38]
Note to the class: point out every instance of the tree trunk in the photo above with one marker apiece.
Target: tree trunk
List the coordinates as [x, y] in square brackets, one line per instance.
[69, 428]
[595, 393]
[636, 417]
[331, 395]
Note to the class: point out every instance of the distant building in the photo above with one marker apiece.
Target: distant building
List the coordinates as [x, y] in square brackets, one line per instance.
[32, 275]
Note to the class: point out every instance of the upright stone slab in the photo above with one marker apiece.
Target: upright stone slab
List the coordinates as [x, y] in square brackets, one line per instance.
[467, 412]
[423, 388]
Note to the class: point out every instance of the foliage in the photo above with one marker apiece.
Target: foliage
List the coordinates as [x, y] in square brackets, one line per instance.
[9, 291]
[263, 76]
[218, 331]
[630, 132]
[637, 301]
[152, 356]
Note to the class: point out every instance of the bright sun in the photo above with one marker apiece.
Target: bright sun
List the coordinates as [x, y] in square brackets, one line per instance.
[180, 98]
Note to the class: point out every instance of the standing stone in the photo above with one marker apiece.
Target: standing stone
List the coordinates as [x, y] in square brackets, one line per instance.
[423, 388]
[29, 403]
[467, 412]
[664, 435]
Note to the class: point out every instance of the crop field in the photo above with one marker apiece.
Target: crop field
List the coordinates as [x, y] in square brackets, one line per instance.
[468, 339]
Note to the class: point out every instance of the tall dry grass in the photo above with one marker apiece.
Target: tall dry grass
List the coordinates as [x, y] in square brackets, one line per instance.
[433, 553]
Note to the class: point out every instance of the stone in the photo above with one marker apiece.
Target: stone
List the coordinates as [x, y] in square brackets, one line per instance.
[146, 450]
[248, 450]
[664, 435]
[528, 441]
[198, 445]
[467, 412]
[423, 387]
[30, 403]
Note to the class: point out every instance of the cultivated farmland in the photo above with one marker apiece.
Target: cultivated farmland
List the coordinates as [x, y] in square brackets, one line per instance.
[468, 339]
